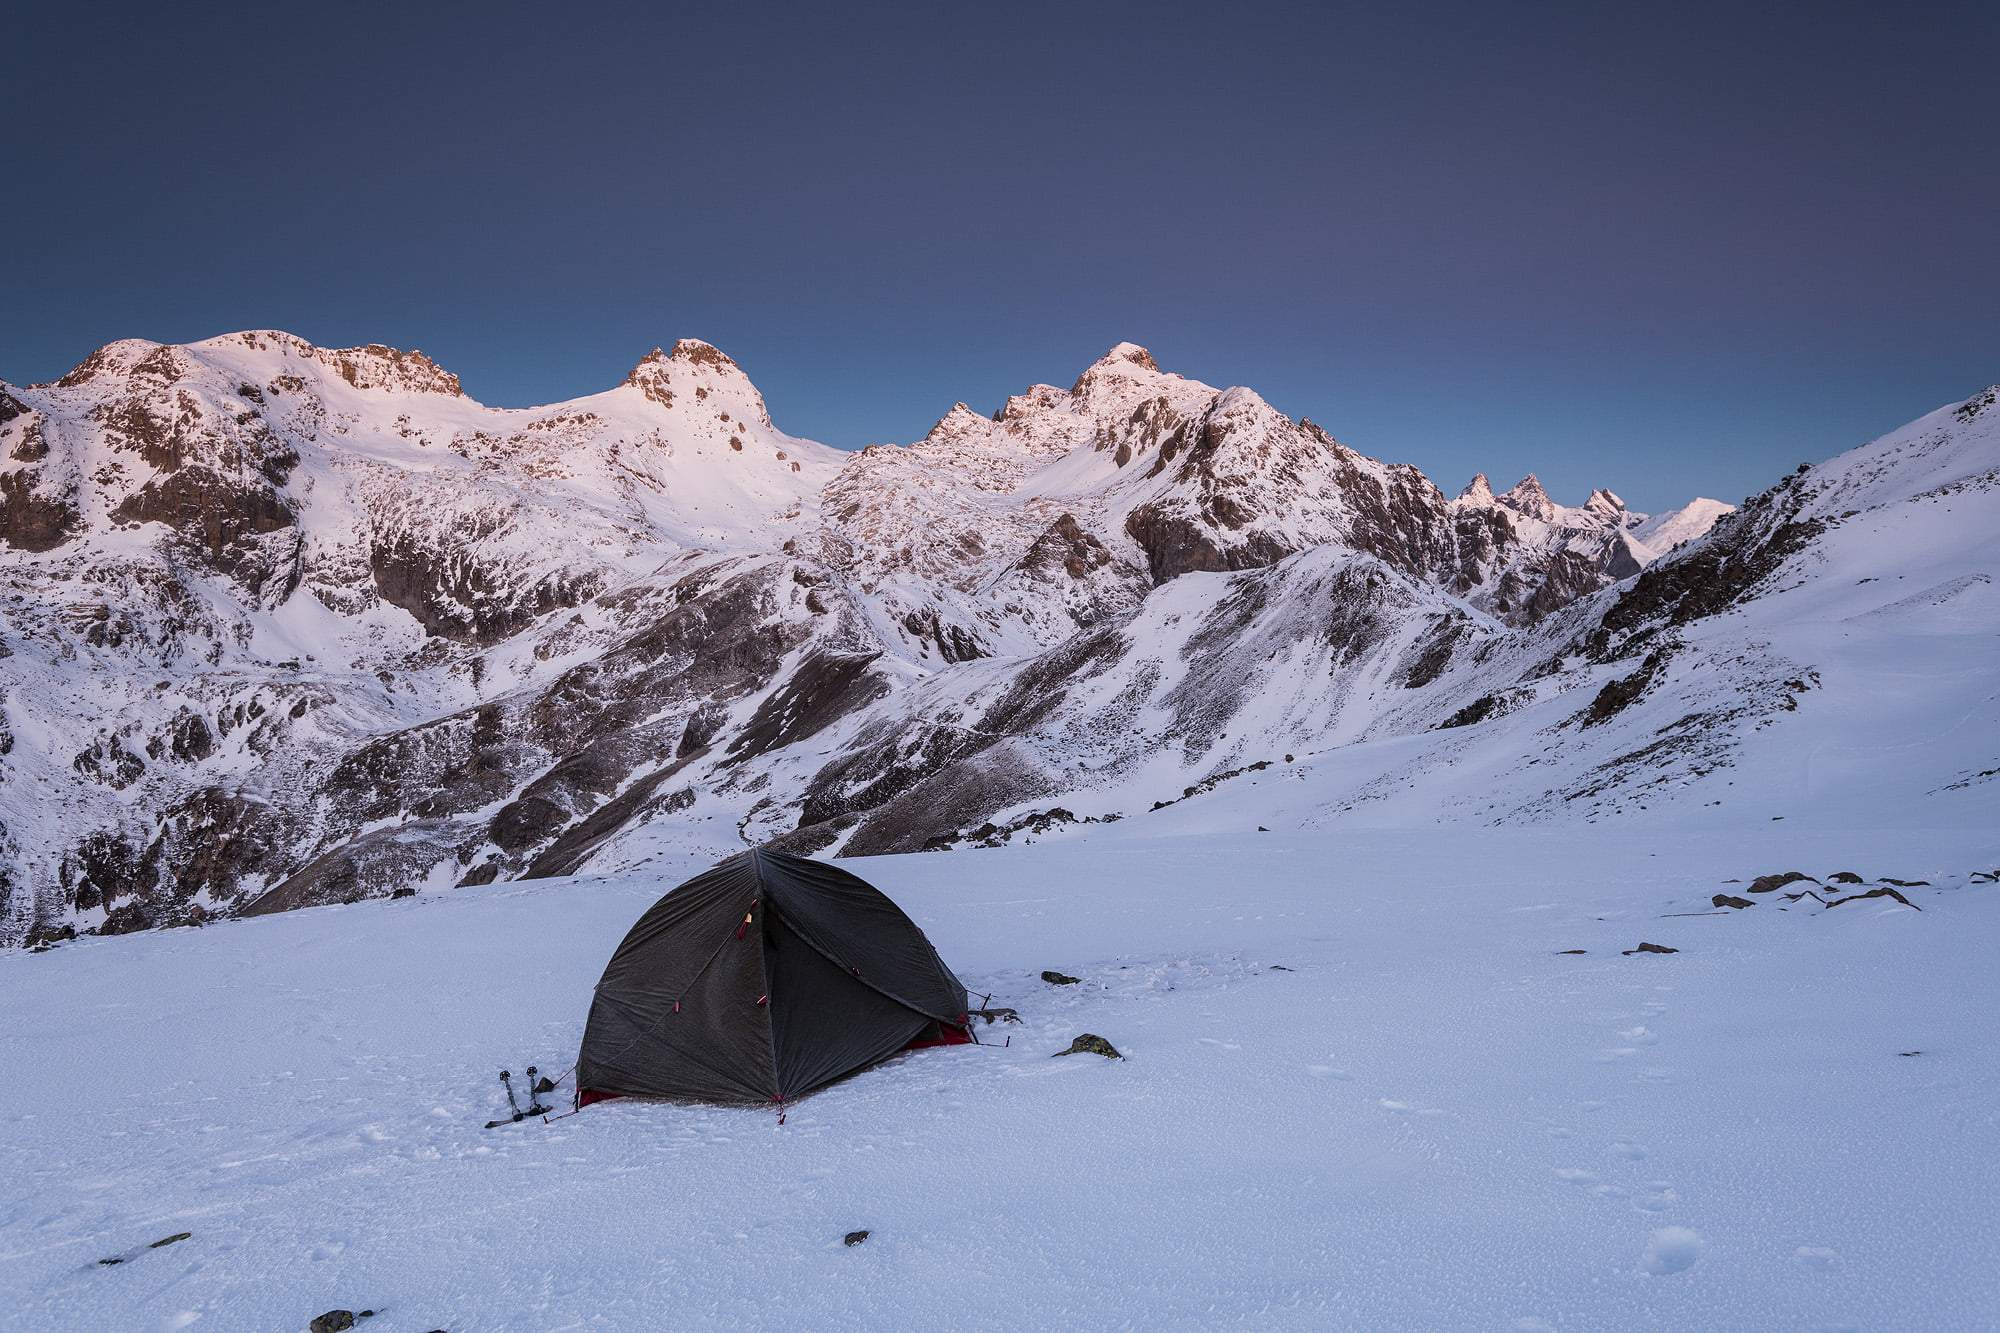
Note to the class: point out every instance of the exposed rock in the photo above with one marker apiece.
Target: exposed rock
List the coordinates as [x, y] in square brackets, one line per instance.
[1876, 893]
[1650, 948]
[854, 1238]
[1092, 1044]
[1766, 883]
[1726, 900]
[1060, 979]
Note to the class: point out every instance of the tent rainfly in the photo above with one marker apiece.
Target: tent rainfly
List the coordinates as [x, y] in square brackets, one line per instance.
[760, 980]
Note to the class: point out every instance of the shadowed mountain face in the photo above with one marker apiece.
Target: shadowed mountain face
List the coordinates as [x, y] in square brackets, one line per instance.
[286, 625]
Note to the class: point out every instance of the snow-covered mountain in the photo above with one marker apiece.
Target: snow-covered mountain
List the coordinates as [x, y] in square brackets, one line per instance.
[288, 625]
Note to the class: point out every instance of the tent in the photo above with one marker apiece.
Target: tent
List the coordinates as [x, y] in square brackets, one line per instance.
[761, 980]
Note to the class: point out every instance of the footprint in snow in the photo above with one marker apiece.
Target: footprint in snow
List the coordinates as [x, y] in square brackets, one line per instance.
[1576, 1175]
[1659, 1196]
[1672, 1250]
[1631, 1152]
[1817, 1256]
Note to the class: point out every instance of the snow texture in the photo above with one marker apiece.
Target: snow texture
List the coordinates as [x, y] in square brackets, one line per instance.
[1366, 1085]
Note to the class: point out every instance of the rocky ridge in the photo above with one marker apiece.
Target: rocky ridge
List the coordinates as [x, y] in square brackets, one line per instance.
[289, 626]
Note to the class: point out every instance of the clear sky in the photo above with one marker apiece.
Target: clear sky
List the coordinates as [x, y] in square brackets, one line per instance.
[1668, 248]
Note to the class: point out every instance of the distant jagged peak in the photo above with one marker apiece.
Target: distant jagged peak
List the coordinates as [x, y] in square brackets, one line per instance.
[369, 366]
[1477, 491]
[957, 424]
[1607, 503]
[1125, 361]
[697, 371]
[114, 358]
[1130, 354]
[1527, 497]
[1675, 527]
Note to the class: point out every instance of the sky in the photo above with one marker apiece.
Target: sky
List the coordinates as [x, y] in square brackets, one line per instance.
[1665, 249]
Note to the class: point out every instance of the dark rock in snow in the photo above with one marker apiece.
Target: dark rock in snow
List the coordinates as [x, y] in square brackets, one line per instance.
[1650, 948]
[1766, 883]
[405, 892]
[1845, 877]
[1060, 979]
[1725, 900]
[1092, 1044]
[854, 1238]
[1561, 952]
[1876, 893]
[1907, 883]
[333, 1321]
[177, 1237]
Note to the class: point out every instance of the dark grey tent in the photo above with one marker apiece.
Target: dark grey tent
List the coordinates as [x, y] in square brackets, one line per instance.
[760, 980]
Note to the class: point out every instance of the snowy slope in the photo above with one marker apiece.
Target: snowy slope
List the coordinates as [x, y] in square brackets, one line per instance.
[1432, 1117]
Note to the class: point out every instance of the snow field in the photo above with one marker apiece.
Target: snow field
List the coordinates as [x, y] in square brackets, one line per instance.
[1363, 1088]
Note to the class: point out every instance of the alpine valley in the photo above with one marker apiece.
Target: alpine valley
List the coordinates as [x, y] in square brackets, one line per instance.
[284, 625]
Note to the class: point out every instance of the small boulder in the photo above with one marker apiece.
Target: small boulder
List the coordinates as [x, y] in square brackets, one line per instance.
[1650, 948]
[405, 892]
[1560, 952]
[1060, 979]
[333, 1321]
[854, 1238]
[1907, 883]
[1845, 877]
[1766, 883]
[1725, 900]
[174, 1239]
[1092, 1044]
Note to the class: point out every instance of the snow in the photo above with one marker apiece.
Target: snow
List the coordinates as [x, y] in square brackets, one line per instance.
[1664, 531]
[1431, 1117]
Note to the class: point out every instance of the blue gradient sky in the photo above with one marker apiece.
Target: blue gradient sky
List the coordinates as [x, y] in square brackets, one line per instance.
[1669, 249]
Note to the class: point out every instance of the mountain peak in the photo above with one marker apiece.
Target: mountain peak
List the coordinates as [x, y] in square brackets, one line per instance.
[1527, 497]
[693, 367]
[1479, 490]
[1118, 363]
[1131, 354]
